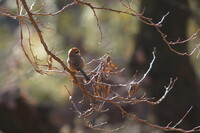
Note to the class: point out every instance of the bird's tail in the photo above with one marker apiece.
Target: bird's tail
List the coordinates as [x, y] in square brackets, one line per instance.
[85, 75]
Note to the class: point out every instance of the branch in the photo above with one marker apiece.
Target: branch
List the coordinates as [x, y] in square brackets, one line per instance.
[103, 91]
[33, 22]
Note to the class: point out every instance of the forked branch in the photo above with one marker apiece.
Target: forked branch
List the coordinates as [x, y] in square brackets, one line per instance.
[103, 91]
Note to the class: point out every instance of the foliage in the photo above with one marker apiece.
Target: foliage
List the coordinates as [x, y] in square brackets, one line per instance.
[47, 60]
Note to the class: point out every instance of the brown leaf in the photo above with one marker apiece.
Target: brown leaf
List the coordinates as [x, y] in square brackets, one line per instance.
[133, 89]
[96, 89]
[99, 78]
[112, 66]
[108, 59]
[108, 90]
[107, 70]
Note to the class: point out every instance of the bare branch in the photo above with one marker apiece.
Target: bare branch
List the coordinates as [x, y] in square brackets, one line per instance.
[103, 91]
[183, 117]
[163, 18]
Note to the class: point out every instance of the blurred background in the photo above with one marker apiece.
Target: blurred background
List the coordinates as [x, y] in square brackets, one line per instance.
[31, 102]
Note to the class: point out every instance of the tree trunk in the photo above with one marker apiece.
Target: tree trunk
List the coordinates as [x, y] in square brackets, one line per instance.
[168, 64]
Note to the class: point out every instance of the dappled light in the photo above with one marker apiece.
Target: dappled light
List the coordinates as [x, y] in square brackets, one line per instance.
[37, 80]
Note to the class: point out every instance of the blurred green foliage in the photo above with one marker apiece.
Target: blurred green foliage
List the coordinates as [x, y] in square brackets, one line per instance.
[76, 26]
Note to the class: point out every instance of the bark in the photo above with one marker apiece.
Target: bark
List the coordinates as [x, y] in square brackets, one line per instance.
[168, 65]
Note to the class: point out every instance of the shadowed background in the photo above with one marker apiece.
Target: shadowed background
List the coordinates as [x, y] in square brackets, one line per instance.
[30, 102]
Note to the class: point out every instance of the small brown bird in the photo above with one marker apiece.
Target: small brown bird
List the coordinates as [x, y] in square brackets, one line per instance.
[75, 62]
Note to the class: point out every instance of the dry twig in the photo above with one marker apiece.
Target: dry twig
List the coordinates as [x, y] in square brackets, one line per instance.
[103, 91]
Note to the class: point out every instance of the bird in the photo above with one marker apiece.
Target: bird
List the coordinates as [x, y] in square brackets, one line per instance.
[75, 62]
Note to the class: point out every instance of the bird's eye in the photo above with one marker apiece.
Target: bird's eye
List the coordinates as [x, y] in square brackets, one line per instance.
[76, 52]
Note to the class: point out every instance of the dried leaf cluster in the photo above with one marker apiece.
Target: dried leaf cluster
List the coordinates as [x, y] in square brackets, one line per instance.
[103, 91]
